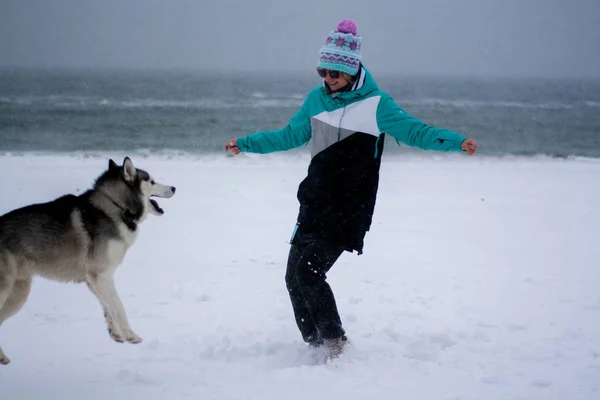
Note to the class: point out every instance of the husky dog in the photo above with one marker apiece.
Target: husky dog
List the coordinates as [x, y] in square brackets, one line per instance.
[78, 239]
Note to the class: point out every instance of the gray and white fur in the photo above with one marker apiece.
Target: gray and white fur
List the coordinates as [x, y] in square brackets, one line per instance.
[78, 239]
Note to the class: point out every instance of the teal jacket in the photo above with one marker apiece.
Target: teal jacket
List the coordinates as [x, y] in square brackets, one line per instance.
[347, 133]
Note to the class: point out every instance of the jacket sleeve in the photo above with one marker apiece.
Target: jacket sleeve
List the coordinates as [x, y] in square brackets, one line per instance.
[393, 120]
[297, 133]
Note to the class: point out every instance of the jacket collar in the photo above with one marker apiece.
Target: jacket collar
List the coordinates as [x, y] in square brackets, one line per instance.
[361, 87]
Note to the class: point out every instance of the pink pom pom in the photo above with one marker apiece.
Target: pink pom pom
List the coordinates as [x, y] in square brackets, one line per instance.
[347, 26]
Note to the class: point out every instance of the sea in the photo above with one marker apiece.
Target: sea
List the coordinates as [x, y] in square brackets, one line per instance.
[195, 113]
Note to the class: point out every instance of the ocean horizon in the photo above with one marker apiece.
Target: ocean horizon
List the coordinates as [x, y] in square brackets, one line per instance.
[194, 113]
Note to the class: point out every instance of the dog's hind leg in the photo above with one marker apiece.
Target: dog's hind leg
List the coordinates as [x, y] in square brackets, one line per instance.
[13, 295]
[5, 291]
[103, 287]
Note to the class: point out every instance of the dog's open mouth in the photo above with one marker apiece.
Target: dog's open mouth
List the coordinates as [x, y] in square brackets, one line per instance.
[156, 207]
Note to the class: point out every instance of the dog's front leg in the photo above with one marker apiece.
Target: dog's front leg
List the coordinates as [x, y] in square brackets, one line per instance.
[103, 286]
[101, 289]
[130, 335]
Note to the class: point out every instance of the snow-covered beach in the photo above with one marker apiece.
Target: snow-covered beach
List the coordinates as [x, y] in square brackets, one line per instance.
[479, 280]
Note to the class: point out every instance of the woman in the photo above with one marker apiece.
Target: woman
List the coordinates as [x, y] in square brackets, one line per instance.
[346, 118]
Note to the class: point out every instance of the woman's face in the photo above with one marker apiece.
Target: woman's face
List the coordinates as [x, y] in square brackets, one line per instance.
[335, 82]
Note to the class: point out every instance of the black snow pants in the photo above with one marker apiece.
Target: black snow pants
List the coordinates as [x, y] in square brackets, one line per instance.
[313, 302]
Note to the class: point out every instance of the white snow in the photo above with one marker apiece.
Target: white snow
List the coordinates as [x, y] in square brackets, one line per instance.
[480, 280]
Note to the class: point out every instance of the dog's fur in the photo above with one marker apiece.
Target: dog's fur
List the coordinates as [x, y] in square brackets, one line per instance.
[78, 239]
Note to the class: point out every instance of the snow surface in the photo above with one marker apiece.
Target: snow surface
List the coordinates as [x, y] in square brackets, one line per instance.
[480, 280]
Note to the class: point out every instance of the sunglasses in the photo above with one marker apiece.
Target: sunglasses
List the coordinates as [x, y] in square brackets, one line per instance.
[323, 73]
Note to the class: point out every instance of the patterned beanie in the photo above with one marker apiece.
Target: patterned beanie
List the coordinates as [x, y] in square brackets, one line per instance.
[341, 51]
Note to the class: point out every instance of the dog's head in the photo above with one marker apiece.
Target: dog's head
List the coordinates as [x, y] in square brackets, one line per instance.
[131, 188]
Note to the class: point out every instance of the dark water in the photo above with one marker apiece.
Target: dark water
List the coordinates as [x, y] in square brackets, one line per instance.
[77, 111]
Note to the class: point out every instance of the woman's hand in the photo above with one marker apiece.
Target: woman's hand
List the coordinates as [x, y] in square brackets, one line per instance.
[469, 145]
[232, 145]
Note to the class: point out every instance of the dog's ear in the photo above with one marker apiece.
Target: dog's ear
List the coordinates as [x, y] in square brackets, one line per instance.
[112, 164]
[128, 170]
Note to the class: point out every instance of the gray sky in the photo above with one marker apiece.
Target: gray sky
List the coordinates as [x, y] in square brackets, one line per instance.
[457, 37]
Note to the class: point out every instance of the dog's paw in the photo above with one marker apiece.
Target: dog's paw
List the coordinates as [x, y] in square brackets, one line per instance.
[117, 337]
[3, 359]
[133, 338]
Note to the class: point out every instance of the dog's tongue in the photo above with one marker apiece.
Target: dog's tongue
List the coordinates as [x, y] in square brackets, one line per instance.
[156, 206]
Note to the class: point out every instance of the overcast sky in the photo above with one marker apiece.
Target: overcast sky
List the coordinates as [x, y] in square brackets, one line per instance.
[464, 37]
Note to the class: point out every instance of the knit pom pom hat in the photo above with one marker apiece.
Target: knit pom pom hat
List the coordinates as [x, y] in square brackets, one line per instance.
[341, 51]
